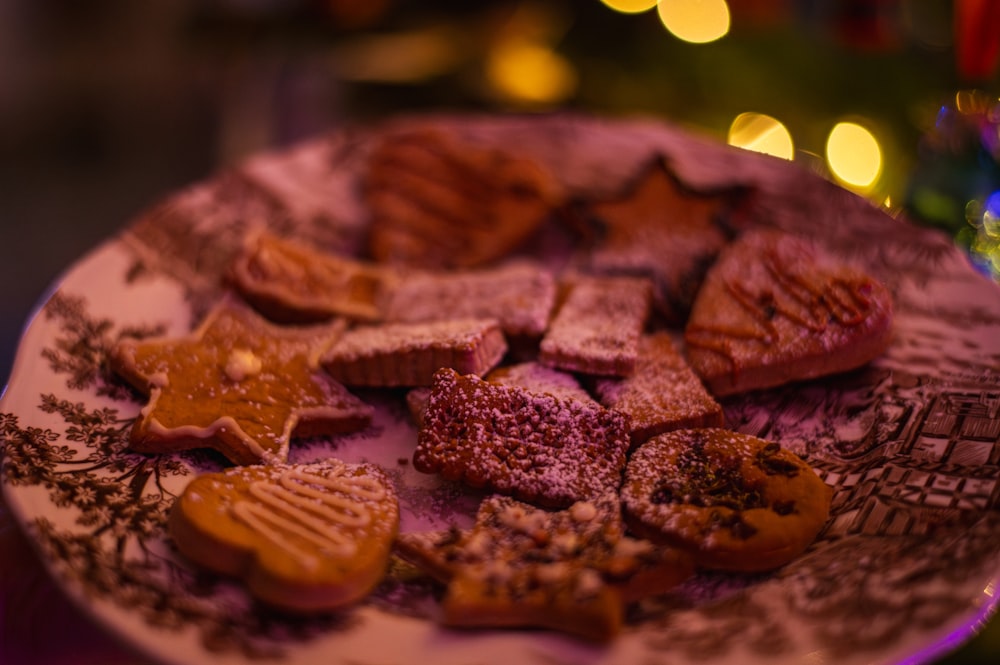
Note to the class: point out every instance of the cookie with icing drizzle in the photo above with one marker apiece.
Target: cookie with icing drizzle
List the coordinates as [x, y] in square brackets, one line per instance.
[535, 446]
[239, 385]
[303, 538]
[572, 570]
[736, 502]
[438, 201]
[777, 308]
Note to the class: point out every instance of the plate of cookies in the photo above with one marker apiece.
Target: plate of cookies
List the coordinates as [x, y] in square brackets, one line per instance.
[547, 389]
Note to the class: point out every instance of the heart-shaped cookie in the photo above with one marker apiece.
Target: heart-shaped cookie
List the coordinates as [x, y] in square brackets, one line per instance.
[776, 308]
[303, 537]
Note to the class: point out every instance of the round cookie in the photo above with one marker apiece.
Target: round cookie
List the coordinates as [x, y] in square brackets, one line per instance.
[737, 502]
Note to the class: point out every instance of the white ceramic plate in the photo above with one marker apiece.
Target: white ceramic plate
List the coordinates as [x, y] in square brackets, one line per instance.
[905, 570]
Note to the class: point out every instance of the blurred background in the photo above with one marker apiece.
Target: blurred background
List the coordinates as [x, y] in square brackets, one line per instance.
[107, 105]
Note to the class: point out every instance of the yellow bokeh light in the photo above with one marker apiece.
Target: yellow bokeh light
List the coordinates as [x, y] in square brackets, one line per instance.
[532, 73]
[630, 6]
[695, 21]
[853, 155]
[761, 133]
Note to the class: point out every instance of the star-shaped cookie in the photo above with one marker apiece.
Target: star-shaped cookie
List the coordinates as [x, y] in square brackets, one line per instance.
[662, 229]
[570, 570]
[777, 308]
[237, 384]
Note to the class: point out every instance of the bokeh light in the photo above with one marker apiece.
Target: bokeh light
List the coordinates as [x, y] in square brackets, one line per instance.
[530, 73]
[761, 133]
[630, 6]
[695, 21]
[854, 155]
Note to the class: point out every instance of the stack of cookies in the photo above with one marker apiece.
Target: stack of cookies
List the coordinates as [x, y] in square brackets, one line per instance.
[582, 395]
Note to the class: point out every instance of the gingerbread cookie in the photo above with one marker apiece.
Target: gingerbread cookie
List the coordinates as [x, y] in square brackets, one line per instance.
[438, 202]
[239, 385]
[571, 570]
[537, 378]
[662, 394]
[534, 446]
[597, 326]
[736, 502]
[303, 538]
[664, 230]
[293, 282]
[519, 295]
[408, 354]
[776, 308]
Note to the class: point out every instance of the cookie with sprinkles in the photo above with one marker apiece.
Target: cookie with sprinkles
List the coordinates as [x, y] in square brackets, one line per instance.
[303, 538]
[535, 446]
[736, 502]
[572, 570]
[238, 384]
[292, 282]
[408, 354]
[597, 326]
[777, 308]
[662, 394]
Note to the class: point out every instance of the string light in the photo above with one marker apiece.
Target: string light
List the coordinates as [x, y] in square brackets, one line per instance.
[761, 133]
[695, 21]
[854, 155]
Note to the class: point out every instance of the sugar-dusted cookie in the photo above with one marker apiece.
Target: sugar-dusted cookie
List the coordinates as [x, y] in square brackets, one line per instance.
[293, 282]
[664, 230]
[534, 446]
[408, 354]
[571, 570]
[303, 538]
[520, 295]
[736, 502]
[537, 378]
[237, 384]
[776, 308]
[597, 327]
[437, 201]
[662, 394]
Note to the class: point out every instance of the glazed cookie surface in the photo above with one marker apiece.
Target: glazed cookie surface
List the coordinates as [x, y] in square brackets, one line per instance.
[736, 502]
[303, 538]
[239, 385]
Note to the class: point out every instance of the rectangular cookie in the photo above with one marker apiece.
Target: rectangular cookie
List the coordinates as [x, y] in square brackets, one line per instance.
[596, 330]
[663, 393]
[408, 354]
[533, 446]
[519, 295]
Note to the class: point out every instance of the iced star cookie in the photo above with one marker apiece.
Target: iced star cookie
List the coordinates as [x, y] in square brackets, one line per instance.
[572, 570]
[292, 282]
[736, 502]
[776, 308]
[303, 538]
[437, 201]
[534, 446]
[237, 384]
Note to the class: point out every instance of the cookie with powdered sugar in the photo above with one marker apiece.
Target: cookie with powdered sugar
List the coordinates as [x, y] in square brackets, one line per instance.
[534, 446]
